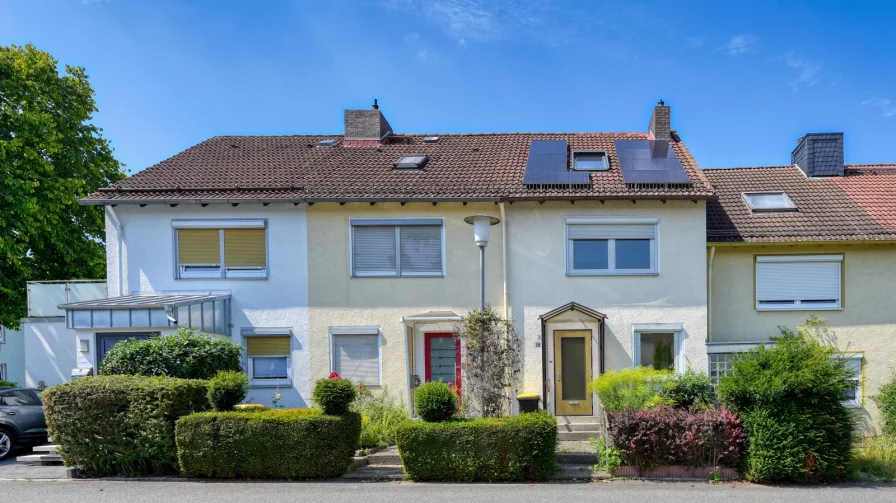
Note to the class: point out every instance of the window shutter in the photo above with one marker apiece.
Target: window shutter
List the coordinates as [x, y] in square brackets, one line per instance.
[356, 357]
[421, 249]
[244, 248]
[601, 231]
[373, 249]
[199, 246]
[798, 281]
[267, 346]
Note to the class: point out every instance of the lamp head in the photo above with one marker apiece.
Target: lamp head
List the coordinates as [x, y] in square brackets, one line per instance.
[481, 224]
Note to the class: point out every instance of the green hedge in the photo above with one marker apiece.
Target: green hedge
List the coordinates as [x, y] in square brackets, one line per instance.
[121, 425]
[187, 355]
[268, 444]
[492, 449]
[227, 389]
[334, 395]
[886, 402]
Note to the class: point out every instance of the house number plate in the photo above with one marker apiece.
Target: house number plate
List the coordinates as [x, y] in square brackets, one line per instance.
[574, 402]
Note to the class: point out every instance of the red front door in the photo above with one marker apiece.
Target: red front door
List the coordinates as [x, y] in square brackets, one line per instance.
[442, 358]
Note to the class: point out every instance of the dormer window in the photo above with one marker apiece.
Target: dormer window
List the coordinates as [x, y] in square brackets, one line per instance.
[760, 202]
[411, 161]
[590, 161]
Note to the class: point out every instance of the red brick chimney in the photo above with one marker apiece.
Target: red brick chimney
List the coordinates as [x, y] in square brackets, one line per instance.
[661, 122]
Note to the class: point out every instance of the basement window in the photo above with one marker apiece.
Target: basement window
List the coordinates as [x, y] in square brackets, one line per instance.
[411, 161]
[768, 202]
[590, 161]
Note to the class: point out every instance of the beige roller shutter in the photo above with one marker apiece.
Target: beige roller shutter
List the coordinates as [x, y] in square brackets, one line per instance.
[244, 248]
[267, 346]
[199, 246]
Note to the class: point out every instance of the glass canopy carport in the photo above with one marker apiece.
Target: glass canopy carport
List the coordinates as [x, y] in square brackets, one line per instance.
[206, 312]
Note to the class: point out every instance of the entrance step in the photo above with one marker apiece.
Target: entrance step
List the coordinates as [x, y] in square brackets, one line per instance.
[564, 436]
[579, 472]
[46, 449]
[41, 459]
[576, 453]
[387, 457]
[377, 472]
[578, 427]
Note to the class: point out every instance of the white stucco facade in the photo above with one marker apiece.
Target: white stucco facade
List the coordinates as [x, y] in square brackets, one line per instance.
[12, 355]
[279, 301]
[51, 351]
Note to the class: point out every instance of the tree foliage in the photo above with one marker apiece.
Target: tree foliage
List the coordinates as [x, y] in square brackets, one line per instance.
[51, 155]
[491, 361]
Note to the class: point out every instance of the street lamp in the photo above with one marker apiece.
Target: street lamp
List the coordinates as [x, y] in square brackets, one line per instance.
[481, 224]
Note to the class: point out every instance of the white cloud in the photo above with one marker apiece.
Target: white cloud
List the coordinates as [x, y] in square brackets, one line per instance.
[884, 104]
[808, 72]
[740, 44]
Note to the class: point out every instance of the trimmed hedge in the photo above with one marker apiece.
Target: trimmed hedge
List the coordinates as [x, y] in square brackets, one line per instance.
[268, 444]
[227, 389]
[121, 425]
[334, 395]
[187, 355]
[491, 449]
[8, 384]
[886, 402]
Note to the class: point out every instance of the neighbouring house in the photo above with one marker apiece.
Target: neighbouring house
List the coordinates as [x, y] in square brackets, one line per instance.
[353, 253]
[815, 237]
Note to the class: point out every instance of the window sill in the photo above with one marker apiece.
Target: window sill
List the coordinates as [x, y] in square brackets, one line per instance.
[797, 308]
[613, 273]
[393, 276]
[272, 383]
[219, 278]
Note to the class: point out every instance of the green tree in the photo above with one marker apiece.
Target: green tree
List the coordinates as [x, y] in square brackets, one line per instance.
[51, 155]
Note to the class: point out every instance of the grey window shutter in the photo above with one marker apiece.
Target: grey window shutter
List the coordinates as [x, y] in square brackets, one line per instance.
[619, 231]
[798, 281]
[374, 250]
[357, 357]
[421, 249]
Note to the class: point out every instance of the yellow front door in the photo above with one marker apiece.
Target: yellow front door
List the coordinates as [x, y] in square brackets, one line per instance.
[572, 371]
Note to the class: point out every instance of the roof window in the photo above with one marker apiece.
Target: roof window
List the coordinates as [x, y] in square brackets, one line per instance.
[326, 143]
[769, 202]
[411, 161]
[430, 139]
[590, 161]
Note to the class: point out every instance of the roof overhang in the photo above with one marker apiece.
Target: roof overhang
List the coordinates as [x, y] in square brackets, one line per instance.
[207, 312]
[432, 317]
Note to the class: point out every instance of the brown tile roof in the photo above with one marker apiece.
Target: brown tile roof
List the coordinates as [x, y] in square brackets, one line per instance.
[856, 206]
[461, 166]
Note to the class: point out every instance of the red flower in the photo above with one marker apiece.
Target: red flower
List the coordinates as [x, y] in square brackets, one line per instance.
[334, 375]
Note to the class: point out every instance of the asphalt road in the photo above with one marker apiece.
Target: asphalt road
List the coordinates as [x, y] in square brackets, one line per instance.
[393, 492]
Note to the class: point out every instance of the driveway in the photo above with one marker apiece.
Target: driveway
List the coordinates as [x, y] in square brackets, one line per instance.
[9, 469]
[393, 492]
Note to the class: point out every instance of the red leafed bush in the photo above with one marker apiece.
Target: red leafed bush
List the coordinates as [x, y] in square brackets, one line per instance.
[667, 436]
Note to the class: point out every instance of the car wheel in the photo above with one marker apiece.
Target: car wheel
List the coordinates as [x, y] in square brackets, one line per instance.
[6, 444]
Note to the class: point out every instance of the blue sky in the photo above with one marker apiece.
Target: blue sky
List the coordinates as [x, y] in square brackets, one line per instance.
[743, 81]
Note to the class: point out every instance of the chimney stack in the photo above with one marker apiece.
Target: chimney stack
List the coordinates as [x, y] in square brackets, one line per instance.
[661, 122]
[819, 154]
[367, 126]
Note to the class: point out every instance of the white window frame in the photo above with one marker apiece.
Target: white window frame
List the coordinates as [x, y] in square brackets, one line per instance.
[334, 331]
[676, 329]
[860, 379]
[797, 304]
[221, 271]
[250, 332]
[611, 247]
[786, 208]
[397, 223]
[586, 152]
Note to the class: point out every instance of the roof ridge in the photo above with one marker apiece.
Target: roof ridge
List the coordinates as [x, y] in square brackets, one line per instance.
[781, 166]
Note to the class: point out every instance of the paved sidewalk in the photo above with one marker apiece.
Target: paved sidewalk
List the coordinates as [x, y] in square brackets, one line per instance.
[9, 469]
[395, 492]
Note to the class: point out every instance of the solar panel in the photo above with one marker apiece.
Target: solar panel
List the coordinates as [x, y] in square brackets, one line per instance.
[649, 162]
[548, 165]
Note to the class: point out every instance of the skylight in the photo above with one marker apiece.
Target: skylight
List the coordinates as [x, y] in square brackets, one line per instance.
[430, 139]
[590, 161]
[411, 161]
[769, 201]
[326, 143]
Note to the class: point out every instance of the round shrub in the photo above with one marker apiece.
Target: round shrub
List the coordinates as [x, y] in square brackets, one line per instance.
[688, 389]
[886, 402]
[334, 395]
[790, 397]
[435, 401]
[185, 355]
[227, 389]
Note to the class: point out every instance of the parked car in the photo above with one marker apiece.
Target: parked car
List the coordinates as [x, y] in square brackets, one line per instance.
[22, 422]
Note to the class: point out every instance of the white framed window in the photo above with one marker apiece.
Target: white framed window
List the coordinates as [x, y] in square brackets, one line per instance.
[356, 354]
[611, 246]
[768, 202]
[268, 356]
[855, 364]
[798, 282]
[397, 247]
[211, 249]
[658, 346]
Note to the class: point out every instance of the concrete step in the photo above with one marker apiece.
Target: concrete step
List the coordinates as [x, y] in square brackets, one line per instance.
[40, 460]
[579, 427]
[46, 449]
[579, 472]
[576, 419]
[576, 458]
[576, 435]
[376, 472]
[385, 457]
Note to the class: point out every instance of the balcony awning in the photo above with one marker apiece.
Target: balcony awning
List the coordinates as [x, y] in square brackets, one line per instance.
[206, 312]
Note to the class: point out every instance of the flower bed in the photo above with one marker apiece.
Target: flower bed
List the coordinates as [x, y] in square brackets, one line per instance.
[492, 449]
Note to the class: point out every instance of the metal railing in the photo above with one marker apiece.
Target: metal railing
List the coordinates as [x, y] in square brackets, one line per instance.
[44, 296]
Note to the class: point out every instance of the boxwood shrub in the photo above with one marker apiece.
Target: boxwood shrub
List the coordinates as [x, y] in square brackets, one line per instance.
[121, 425]
[435, 401]
[491, 449]
[187, 355]
[334, 395]
[227, 389]
[267, 444]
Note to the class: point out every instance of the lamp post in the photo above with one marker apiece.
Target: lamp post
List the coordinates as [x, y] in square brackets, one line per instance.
[481, 228]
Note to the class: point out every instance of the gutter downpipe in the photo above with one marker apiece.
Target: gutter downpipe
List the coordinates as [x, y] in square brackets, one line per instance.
[119, 231]
[712, 254]
[504, 254]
